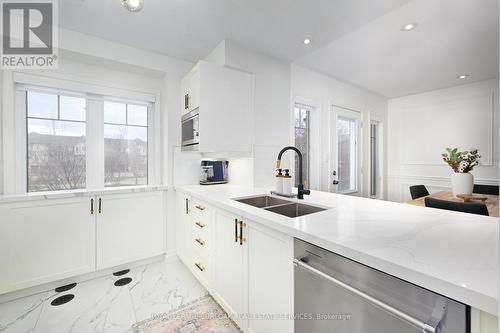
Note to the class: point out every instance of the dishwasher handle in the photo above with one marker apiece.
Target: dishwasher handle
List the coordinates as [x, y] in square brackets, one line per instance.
[422, 326]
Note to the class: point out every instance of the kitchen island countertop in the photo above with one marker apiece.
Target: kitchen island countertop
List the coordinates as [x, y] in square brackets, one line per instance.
[454, 254]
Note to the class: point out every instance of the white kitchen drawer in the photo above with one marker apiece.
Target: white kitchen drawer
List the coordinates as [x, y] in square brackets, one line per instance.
[202, 223]
[202, 241]
[202, 269]
[200, 209]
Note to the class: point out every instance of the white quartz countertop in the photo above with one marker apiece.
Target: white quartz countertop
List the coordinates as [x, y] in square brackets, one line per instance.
[79, 193]
[454, 254]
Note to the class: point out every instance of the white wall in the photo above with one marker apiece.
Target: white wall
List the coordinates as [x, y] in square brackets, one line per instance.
[322, 91]
[421, 127]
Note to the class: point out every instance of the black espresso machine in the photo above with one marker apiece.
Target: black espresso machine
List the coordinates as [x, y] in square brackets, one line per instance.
[213, 172]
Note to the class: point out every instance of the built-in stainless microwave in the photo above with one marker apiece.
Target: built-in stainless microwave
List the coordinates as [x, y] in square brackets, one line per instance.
[190, 131]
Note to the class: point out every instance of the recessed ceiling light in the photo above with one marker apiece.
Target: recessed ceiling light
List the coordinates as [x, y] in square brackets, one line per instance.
[132, 5]
[409, 26]
[464, 76]
[307, 41]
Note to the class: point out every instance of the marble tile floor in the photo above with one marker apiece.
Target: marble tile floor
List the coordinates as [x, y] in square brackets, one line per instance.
[99, 306]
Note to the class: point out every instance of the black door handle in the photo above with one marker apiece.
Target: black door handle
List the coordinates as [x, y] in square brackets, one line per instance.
[92, 206]
[100, 206]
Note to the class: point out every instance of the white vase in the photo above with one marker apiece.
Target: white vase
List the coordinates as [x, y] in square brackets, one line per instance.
[462, 183]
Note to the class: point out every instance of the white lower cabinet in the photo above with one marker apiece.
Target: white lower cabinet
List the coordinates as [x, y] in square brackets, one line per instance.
[229, 265]
[130, 227]
[482, 322]
[44, 241]
[270, 280]
[252, 268]
[182, 226]
[47, 240]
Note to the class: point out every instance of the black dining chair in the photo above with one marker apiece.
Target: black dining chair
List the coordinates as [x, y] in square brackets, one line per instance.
[418, 191]
[485, 189]
[464, 207]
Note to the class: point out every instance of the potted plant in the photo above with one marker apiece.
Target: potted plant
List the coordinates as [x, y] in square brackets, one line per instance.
[462, 163]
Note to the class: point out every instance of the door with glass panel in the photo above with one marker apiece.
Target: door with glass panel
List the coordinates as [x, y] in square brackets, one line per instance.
[346, 151]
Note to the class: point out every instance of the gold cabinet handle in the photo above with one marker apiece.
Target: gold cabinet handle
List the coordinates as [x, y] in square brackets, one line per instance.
[242, 239]
[200, 207]
[199, 266]
[200, 241]
[199, 224]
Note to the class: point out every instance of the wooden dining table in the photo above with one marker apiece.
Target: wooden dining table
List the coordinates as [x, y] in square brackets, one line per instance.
[491, 200]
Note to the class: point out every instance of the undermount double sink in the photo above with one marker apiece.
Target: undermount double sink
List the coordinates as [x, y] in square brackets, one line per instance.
[280, 206]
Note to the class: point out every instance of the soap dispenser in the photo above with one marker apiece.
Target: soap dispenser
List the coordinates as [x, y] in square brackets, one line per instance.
[287, 183]
[279, 181]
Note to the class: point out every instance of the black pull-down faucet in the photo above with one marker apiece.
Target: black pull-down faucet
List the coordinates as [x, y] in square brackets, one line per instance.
[300, 186]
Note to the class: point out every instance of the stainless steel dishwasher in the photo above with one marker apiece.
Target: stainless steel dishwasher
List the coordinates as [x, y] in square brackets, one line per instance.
[337, 295]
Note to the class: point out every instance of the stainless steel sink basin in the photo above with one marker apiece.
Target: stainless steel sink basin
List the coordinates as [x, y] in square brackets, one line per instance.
[295, 209]
[263, 201]
[280, 206]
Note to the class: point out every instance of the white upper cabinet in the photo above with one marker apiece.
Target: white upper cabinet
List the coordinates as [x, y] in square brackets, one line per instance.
[130, 227]
[46, 240]
[190, 86]
[223, 99]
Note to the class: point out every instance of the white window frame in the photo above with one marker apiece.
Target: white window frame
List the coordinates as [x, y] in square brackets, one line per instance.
[339, 112]
[314, 138]
[380, 161]
[16, 148]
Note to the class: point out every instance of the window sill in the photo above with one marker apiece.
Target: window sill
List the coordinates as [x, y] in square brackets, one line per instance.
[80, 193]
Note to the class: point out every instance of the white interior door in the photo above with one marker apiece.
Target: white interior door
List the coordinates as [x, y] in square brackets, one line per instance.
[345, 170]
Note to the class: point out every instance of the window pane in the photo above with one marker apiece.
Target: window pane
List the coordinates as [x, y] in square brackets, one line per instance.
[302, 143]
[42, 105]
[56, 155]
[72, 108]
[346, 131]
[126, 155]
[373, 160]
[297, 117]
[137, 115]
[115, 113]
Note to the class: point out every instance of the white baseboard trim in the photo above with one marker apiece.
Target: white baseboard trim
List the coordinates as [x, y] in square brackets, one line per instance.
[171, 256]
[84, 277]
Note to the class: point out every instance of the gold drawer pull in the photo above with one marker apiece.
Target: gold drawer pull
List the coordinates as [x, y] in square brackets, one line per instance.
[200, 207]
[199, 266]
[200, 241]
[199, 224]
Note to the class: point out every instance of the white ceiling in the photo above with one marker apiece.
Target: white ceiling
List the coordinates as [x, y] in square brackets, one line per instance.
[190, 29]
[453, 37]
[358, 41]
